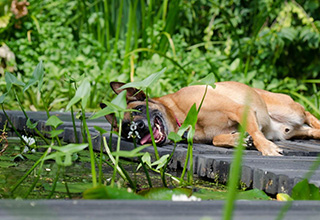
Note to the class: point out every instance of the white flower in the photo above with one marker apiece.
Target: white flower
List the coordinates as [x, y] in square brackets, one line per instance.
[184, 198]
[29, 140]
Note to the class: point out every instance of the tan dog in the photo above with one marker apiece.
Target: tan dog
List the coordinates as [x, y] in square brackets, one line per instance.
[271, 116]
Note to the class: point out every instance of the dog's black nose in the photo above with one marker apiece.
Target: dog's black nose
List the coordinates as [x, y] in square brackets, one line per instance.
[140, 125]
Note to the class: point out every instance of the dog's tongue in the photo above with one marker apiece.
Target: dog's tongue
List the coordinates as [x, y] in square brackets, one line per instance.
[147, 138]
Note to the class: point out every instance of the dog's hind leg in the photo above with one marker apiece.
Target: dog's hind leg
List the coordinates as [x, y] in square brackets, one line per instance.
[305, 131]
[265, 146]
[312, 121]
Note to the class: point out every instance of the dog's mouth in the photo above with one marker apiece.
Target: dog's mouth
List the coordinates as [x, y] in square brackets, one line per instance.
[158, 132]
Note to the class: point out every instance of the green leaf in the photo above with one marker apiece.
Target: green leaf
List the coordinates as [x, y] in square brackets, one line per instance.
[70, 148]
[55, 133]
[37, 77]
[118, 105]
[208, 80]
[254, 194]
[102, 112]
[161, 162]
[63, 155]
[120, 100]
[2, 97]
[305, 191]
[163, 193]
[31, 125]
[6, 164]
[189, 123]
[133, 153]
[235, 64]
[82, 93]
[147, 82]
[12, 80]
[100, 130]
[54, 121]
[73, 187]
[107, 192]
[146, 158]
[174, 137]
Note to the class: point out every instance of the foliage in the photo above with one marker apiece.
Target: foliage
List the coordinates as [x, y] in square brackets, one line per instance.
[271, 44]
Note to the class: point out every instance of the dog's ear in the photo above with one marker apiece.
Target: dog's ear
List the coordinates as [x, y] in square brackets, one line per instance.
[133, 94]
[111, 118]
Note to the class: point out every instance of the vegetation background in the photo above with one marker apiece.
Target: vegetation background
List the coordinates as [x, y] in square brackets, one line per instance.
[268, 44]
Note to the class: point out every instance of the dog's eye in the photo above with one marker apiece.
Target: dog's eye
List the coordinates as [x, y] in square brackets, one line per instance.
[140, 108]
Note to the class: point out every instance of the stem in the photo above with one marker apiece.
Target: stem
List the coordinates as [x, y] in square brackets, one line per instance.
[100, 161]
[65, 182]
[14, 128]
[92, 159]
[235, 170]
[204, 95]
[190, 169]
[72, 118]
[25, 114]
[54, 183]
[143, 165]
[45, 105]
[117, 157]
[124, 175]
[185, 164]
[152, 137]
[150, 128]
[41, 161]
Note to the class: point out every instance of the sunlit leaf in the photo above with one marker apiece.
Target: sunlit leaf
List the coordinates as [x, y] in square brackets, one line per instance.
[163, 193]
[283, 197]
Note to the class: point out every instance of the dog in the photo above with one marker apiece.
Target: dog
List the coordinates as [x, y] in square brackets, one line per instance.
[270, 116]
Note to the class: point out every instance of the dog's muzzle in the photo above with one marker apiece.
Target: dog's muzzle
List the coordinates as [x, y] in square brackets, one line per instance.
[139, 129]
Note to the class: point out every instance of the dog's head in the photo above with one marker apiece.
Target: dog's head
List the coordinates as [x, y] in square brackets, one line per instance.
[135, 124]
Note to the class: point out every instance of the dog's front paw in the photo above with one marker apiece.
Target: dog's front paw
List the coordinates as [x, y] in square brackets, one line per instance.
[271, 149]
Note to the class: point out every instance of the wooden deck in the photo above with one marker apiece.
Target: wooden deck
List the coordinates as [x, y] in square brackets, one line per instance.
[271, 174]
